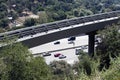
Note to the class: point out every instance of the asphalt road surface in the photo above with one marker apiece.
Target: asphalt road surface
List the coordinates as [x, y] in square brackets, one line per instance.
[63, 48]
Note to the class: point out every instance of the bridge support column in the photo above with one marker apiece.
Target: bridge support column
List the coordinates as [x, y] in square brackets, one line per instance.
[91, 43]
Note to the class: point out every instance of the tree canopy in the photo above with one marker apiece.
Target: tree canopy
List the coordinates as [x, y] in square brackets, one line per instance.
[54, 9]
[19, 64]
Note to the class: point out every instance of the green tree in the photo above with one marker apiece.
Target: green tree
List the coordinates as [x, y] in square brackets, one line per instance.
[51, 2]
[43, 17]
[61, 70]
[37, 70]
[4, 22]
[2, 30]
[19, 64]
[84, 65]
[60, 15]
[2, 69]
[113, 73]
[110, 44]
[13, 14]
[3, 7]
[29, 22]
[76, 12]
[14, 56]
[85, 12]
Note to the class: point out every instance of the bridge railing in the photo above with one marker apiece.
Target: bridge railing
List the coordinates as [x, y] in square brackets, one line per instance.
[58, 24]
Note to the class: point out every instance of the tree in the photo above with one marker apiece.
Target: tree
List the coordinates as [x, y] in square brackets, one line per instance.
[4, 23]
[76, 12]
[1, 30]
[67, 1]
[2, 69]
[3, 7]
[13, 14]
[43, 17]
[14, 57]
[19, 64]
[85, 12]
[85, 64]
[60, 15]
[29, 22]
[37, 70]
[51, 2]
[65, 7]
[61, 70]
[109, 47]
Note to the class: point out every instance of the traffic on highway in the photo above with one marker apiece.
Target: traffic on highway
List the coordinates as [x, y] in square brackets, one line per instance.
[62, 49]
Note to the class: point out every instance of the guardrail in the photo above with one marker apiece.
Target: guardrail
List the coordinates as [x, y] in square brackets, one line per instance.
[60, 50]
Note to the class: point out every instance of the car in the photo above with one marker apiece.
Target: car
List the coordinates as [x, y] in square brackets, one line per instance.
[57, 55]
[78, 51]
[71, 42]
[72, 38]
[46, 54]
[57, 42]
[62, 56]
[84, 47]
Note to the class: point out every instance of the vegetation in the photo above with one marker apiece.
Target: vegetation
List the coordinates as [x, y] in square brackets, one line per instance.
[105, 64]
[52, 10]
[17, 63]
[109, 46]
[29, 22]
[61, 70]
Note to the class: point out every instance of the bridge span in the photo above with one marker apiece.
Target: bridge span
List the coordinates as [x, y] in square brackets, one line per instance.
[65, 28]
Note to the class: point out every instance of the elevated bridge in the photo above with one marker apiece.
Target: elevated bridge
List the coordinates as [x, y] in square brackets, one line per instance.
[65, 28]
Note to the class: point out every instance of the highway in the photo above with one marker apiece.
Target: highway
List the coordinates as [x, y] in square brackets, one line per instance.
[45, 33]
[60, 24]
[64, 28]
[69, 52]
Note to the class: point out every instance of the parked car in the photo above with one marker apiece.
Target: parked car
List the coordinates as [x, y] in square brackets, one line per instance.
[46, 54]
[57, 55]
[72, 38]
[62, 56]
[57, 42]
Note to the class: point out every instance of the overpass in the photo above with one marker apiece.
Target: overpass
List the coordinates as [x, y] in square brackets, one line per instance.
[65, 28]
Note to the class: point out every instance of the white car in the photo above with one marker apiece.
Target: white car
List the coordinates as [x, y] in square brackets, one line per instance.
[84, 47]
[71, 42]
[62, 56]
[46, 54]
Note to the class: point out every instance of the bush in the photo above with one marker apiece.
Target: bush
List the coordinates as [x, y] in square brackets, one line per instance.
[61, 70]
[29, 22]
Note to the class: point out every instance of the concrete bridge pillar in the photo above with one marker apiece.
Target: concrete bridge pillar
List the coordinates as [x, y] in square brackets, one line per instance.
[91, 43]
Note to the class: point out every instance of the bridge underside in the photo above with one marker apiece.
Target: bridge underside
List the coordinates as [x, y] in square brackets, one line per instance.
[85, 29]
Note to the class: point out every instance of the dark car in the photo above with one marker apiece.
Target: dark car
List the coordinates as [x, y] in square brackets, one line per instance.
[46, 54]
[72, 38]
[57, 42]
[57, 55]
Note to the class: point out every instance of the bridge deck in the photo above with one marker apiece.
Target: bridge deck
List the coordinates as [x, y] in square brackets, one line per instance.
[61, 29]
[59, 24]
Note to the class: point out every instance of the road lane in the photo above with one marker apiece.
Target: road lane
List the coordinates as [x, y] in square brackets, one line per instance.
[69, 53]
[82, 40]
